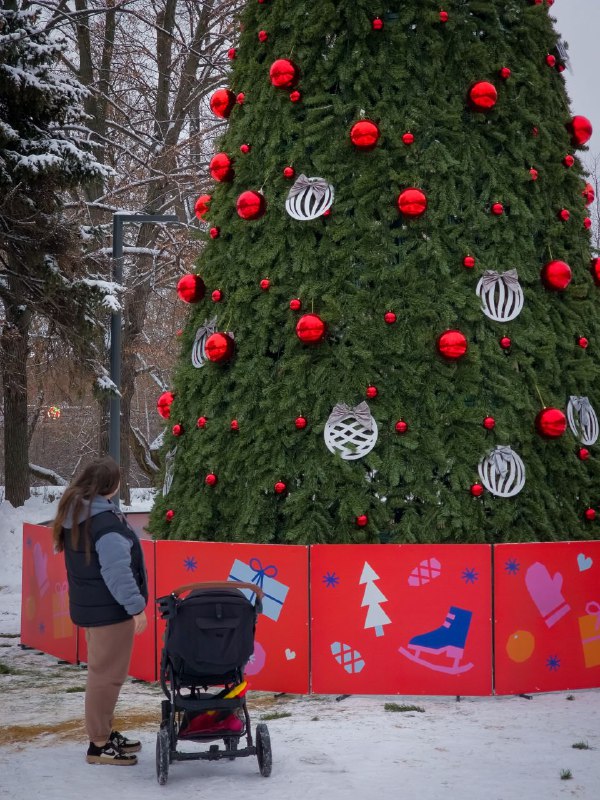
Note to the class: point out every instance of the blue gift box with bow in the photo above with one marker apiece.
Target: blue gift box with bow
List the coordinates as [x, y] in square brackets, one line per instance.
[254, 572]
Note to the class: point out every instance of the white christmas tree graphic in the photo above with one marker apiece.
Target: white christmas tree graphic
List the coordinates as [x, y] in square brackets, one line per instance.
[376, 616]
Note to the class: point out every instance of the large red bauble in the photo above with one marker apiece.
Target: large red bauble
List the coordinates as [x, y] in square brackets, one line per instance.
[364, 135]
[556, 275]
[191, 288]
[280, 487]
[401, 426]
[452, 344]
[412, 202]
[163, 404]
[310, 328]
[362, 520]
[590, 514]
[221, 168]
[390, 317]
[300, 423]
[551, 423]
[211, 479]
[583, 342]
[468, 262]
[580, 129]
[489, 423]
[497, 209]
[251, 205]
[589, 194]
[483, 96]
[202, 205]
[595, 270]
[283, 73]
[372, 392]
[476, 490]
[444, 16]
[505, 342]
[222, 102]
[219, 347]
[169, 515]
[551, 60]
[377, 24]
[408, 138]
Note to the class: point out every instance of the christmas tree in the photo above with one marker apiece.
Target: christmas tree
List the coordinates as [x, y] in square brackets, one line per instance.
[389, 324]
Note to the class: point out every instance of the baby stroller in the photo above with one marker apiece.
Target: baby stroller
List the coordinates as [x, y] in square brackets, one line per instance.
[208, 640]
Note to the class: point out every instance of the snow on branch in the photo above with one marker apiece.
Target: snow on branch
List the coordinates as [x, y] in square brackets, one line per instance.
[49, 475]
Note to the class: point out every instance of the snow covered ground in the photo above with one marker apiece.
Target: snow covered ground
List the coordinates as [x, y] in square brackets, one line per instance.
[497, 748]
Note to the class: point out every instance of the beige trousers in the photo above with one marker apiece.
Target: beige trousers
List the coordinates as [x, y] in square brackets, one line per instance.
[109, 654]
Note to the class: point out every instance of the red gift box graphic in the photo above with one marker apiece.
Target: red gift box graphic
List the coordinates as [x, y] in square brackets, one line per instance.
[589, 627]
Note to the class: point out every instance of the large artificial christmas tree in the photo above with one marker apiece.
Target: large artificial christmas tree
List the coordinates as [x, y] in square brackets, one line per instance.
[395, 323]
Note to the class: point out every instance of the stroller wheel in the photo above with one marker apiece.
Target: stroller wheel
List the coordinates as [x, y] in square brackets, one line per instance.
[162, 756]
[263, 750]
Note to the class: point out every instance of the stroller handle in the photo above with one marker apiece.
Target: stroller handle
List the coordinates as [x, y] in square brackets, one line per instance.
[219, 585]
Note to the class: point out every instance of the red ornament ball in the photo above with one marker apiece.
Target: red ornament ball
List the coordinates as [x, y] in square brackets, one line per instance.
[202, 205]
[564, 214]
[556, 275]
[234, 425]
[222, 102]
[310, 328]
[568, 160]
[583, 342]
[412, 203]
[177, 429]
[587, 223]
[265, 284]
[240, 98]
[326, 213]
[283, 73]
[372, 392]
[201, 423]
[377, 24]
[551, 60]
[231, 53]
[483, 96]
[163, 404]
[245, 148]
[534, 174]
[505, 342]
[362, 520]
[401, 426]
[504, 73]
[214, 233]
[263, 36]
[191, 288]
[580, 129]
[489, 423]
[595, 270]
[221, 168]
[211, 479]
[280, 487]
[295, 304]
[535, 131]
[300, 423]
[590, 514]
[251, 205]
[583, 454]
[364, 134]
[288, 172]
[452, 344]
[497, 209]
[589, 194]
[390, 317]
[219, 347]
[295, 96]
[476, 490]
[408, 138]
[468, 262]
[444, 16]
[169, 515]
[551, 423]
[217, 296]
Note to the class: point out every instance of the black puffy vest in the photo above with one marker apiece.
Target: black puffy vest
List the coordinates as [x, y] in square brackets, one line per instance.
[90, 601]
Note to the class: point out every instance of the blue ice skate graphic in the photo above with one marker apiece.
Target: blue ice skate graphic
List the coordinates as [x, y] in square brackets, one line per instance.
[449, 639]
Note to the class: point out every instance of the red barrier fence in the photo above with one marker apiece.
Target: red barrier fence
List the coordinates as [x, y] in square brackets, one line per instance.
[369, 619]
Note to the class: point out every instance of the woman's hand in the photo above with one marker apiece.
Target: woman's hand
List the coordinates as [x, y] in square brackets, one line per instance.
[141, 623]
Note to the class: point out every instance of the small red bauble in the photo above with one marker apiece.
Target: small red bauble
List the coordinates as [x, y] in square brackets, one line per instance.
[534, 174]
[202, 205]
[580, 129]
[177, 429]
[556, 275]
[589, 194]
[222, 102]
[408, 137]
[234, 425]
[444, 16]
[201, 423]
[412, 203]
[245, 148]
[551, 423]
[497, 209]
[310, 328]
[191, 288]
[221, 168]
[587, 223]
[401, 426]
[583, 454]
[505, 342]
[551, 60]
[251, 205]
[283, 73]
[564, 214]
[231, 53]
[590, 514]
[265, 284]
[288, 172]
[326, 213]
[489, 423]
[468, 262]
[295, 96]
[362, 520]
[263, 36]
[476, 490]
[217, 296]
[214, 233]
[372, 392]
[364, 134]
[219, 347]
[568, 160]
[583, 342]
[390, 317]
[240, 98]
[169, 515]
[504, 73]
[280, 487]
[452, 344]
[377, 24]
[483, 96]
[300, 423]
[535, 131]
[163, 404]
[595, 270]
[211, 479]
[295, 304]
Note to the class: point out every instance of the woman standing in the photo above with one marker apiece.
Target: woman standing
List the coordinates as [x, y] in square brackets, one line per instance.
[108, 593]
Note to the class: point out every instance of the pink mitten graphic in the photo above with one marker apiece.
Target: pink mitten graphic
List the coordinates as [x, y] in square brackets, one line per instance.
[40, 560]
[546, 593]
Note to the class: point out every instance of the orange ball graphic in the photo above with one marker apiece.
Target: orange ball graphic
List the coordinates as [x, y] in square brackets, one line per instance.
[520, 646]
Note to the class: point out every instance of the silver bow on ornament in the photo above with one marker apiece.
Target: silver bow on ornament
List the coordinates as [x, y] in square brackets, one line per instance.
[302, 183]
[361, 413]
[584, 410]
[501, 457]
[207, 329]
[490, 278]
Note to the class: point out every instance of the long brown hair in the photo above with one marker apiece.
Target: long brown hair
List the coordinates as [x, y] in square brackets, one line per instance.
[100, 477]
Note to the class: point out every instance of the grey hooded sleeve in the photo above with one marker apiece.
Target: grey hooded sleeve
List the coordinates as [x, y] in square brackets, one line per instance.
[114, 554]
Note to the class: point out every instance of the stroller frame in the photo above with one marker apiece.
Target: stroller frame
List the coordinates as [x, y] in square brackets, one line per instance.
[178, 706]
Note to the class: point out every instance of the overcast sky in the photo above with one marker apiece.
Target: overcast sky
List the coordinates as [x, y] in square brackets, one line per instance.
[578, 22]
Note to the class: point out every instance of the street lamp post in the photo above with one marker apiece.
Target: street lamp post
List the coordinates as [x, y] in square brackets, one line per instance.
[114, 432]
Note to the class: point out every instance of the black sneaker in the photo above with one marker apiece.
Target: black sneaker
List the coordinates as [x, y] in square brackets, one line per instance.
[124, 744]
[109, 754]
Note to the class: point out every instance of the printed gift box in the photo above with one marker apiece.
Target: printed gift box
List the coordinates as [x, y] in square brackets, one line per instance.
[589, 627]
[254, 572]
[62, 626]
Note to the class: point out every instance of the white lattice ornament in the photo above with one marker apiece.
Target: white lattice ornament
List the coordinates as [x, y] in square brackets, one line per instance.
[349, 432]
[582, 419]
[501, 295]
[198, 348]
[309, 198]
[169, 471]
[502, 472]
